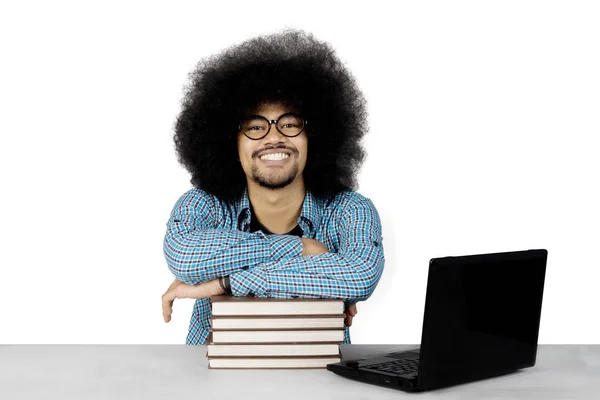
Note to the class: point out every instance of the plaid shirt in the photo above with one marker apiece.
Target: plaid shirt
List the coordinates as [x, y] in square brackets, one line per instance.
[207, 239]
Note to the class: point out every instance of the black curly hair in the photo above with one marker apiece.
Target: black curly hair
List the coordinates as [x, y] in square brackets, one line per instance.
[292, 68]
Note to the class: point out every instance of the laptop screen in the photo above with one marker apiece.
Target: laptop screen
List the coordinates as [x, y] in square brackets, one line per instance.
[482, 315]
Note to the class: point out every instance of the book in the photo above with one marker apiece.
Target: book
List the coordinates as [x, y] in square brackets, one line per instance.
[269, 333]
[272, 363]
[236, 306]
[296, 336]
[270, 350]
[278, 322]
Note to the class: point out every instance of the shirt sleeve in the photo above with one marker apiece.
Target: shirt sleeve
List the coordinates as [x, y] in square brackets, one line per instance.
[197, 249]
[352, 273]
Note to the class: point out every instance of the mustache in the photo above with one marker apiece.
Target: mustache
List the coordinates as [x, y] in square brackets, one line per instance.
[280, 146]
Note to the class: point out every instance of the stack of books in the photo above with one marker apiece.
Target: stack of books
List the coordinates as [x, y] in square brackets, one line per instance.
[266, 333]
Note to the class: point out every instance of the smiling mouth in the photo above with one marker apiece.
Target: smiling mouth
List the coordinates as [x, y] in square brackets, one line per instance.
[274, 157]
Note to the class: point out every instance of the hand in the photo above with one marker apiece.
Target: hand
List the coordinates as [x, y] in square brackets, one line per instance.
[351, 311]
[312, 247]
[180, 290]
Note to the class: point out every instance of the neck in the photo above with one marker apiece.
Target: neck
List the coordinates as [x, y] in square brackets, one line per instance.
[277, 209]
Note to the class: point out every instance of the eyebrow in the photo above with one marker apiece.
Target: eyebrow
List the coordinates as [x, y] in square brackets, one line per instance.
[265, 117]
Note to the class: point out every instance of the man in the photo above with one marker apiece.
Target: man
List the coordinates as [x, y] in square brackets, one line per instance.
[270, 131]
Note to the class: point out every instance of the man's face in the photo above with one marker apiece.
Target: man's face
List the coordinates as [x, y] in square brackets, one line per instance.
[288, 154]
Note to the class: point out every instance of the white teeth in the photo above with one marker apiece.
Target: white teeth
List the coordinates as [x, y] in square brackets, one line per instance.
[274, 156]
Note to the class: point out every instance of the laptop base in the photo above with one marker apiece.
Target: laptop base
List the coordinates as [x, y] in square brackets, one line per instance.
[363, 370]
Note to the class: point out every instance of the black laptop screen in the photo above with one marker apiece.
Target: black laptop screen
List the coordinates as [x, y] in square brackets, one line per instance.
[482, 315]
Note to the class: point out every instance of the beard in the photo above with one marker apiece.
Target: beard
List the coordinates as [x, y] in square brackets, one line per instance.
[274, 180]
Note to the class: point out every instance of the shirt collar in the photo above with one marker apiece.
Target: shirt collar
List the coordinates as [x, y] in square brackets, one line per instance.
[243, 210]
[309, 219]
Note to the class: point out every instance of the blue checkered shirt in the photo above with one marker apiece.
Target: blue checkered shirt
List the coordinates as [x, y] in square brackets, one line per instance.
[207, 239]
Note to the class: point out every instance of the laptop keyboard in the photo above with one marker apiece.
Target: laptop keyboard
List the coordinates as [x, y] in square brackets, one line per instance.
[407, 366]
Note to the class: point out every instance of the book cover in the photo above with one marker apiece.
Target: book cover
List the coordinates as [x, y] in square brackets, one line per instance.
[259, 306]
[272, 350]
[272, 363]
[277, 322]
[295, 336]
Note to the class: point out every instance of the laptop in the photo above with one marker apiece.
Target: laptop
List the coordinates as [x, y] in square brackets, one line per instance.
[481, 320]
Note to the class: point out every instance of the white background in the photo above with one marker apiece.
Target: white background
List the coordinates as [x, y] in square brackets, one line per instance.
[484, 122]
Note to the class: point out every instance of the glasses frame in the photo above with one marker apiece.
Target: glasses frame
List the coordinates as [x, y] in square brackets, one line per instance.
[274, 121]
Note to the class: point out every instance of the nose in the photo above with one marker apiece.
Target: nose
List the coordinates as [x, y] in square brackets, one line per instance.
[274, 134]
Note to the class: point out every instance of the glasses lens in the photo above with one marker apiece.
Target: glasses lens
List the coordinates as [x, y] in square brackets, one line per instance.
[290, 124]
[255, 127]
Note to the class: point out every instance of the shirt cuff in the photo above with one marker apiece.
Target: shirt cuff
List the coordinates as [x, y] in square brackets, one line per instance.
[248, 283]
[284, 247]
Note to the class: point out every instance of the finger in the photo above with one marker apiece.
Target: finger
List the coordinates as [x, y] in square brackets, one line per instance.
[167, 305]
[352, 310]
[348, 321]
[167, 311]
[167, 301]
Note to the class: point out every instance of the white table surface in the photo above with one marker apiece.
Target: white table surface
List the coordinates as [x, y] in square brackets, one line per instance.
[180, 372]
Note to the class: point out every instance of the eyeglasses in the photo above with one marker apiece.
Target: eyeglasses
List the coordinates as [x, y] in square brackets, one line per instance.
[257, 127]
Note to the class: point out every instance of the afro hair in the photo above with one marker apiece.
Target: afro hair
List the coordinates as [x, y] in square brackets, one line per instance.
[292, 68]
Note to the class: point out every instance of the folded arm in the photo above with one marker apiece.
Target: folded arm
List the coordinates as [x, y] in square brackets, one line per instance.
[198, 250]
[352, 273]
